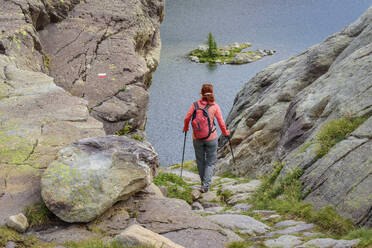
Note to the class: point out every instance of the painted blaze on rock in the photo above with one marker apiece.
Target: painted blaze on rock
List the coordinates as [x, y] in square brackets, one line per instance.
[92, 174]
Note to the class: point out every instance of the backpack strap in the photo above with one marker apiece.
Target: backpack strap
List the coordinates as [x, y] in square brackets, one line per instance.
[196, 107]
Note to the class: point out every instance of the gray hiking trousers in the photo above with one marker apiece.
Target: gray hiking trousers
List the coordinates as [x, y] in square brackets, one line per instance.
[206, 156]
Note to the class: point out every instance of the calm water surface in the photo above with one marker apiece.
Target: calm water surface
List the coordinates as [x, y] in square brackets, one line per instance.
[287, 26]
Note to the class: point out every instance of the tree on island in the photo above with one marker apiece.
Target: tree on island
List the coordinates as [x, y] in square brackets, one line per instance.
[212, 46]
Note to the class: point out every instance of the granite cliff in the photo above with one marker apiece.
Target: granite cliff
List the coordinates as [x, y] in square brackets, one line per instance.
[282, 114]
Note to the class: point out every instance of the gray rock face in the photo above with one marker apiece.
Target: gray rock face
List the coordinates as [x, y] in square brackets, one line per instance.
[62, 234]
[20, 22]
[195, 238]
[174, 219]
[196, 206]
[244, 223]
[92, 174]
[242, 207]
[285, 241]
[169, 214]
[238, 198]
[279, 112]
[119, 38]
[324, 243]
[293, 229]
[288, 223]
[243, 187]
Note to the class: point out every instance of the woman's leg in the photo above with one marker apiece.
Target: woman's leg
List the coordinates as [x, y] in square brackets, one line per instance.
[200, 157]
[210, 161]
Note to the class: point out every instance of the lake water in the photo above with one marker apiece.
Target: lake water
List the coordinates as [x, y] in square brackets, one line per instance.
[287, 26]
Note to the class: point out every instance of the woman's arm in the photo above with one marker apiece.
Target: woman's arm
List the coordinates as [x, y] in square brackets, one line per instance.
[220, 121]
[188, 118]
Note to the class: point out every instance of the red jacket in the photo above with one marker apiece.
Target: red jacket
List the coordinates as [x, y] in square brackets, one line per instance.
[213, 111]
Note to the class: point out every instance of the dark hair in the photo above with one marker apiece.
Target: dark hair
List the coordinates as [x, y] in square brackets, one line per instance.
[207, 93]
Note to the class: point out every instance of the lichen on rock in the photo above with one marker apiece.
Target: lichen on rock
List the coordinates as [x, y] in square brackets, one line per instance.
[94, 173]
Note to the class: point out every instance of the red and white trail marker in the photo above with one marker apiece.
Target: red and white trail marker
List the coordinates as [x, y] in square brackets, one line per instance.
[102, 75]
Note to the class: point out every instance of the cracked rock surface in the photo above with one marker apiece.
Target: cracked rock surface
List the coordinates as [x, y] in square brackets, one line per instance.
[279, 112]
[119, 38]
[93, 174]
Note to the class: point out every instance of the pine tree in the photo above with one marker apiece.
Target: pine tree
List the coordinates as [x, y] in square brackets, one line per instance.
[212, 46]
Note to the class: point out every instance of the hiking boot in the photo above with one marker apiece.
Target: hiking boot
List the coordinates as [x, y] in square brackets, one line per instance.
[203, 190]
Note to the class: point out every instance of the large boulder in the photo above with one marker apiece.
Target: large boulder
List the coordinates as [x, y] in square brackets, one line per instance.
[279, 113]
[92, 174]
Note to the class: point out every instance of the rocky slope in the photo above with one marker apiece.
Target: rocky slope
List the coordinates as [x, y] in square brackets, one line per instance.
[279, 113]
[71, 41]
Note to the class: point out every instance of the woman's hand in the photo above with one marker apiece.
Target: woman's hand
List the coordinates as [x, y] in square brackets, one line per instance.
[227, 134]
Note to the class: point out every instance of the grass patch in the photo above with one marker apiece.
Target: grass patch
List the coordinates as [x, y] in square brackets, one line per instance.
[335, 131]
[189, 165]
[228, 175]
[289, 202]
[364, 234]
[46, 60]
[97, 243]
[7, 235]
[173, 183]
[39, 215]
[125, 130]
[137, 137]
[224, 195]
[123, 89]
[243, 244]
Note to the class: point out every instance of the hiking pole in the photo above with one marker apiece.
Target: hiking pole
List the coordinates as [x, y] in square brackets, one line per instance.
[232, 153]
[183, 152]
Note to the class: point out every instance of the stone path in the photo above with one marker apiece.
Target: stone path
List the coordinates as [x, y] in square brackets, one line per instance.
[211, 220]
[265, 228]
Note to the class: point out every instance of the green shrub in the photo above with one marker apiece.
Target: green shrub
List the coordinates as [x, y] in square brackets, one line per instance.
[239, 245]
[364, 234]
[46, 61]
[328, 219]
[173, 183]
[39, 215]
[123, 88]
[137, 137]
[290, 202]
[187, 165]
[335, 131]
[125, 130]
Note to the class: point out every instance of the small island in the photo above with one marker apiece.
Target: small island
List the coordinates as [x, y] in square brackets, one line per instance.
[230, 54]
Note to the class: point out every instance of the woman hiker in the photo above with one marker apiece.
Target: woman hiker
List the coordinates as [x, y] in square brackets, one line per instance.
[204, 135]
